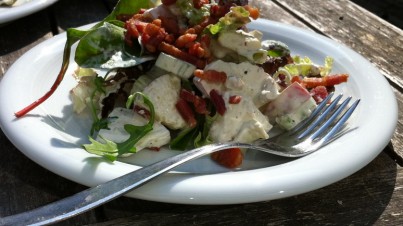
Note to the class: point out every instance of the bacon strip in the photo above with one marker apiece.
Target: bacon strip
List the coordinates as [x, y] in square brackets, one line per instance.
[330, 80]
[211, 75]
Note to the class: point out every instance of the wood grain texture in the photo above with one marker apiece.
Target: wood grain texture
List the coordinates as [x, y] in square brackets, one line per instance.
[378, 41]
[355, 27]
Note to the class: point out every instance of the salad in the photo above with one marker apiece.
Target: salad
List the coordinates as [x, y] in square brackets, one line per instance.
[183, 74]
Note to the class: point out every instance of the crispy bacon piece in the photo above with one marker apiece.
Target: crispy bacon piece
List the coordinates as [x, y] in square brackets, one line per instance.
[184, 39]
[296, 79]
[235, 99]
[229, 158]
[211, 75]
[174, 51]
[253, 12]
[330, 80]
[319, 93]
[218, 102]
[152, 36]
[186, 112]
[198, 102]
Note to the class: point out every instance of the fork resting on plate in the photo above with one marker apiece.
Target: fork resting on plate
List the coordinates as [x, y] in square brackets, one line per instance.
[323, 126]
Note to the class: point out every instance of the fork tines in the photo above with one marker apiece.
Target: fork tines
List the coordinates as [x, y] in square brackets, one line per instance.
[325, 121]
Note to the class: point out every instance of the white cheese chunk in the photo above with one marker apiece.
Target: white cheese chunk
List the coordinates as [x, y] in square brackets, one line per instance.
[164, 94]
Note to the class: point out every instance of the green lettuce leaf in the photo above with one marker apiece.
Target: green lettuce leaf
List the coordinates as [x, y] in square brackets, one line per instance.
[327, 68]
[233, 20]
[112, 150]
[194, 15]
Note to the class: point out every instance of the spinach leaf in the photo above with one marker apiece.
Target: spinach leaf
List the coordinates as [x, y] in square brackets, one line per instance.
[104, 47]
[127, 7]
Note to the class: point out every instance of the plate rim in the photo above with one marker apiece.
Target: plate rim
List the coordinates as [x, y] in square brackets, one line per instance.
[14, 13]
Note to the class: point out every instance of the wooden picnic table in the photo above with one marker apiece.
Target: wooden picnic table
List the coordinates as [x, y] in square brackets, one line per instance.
[373, 195]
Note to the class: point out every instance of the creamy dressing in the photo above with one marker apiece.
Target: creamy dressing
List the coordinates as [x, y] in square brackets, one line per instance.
[241, 122]
[245, 44]
[245, 78]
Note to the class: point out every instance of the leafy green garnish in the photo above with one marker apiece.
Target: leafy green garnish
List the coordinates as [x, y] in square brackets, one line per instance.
[203, 137]
[195, 136]
[184, 139]
[275, 48]
[112, 150]
[327, 68]
[233, 20]
[189, 11]
[306, 67]
[127, 7]
[97, 124]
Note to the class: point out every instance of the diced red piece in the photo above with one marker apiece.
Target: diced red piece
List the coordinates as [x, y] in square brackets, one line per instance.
[198, 102]
[211, 75]
[218, 102]
[186, 112]
[229, 158]
[253, 12]
[142, 111]
[235, 99]
[319, 93]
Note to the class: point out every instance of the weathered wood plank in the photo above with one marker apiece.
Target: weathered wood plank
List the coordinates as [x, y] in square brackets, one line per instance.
[367, 34]
[362, 31]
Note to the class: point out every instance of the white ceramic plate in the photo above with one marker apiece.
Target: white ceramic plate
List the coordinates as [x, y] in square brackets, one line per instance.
[22, 8]
[51, 135]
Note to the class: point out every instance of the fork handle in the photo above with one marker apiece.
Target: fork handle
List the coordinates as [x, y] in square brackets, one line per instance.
[103, 193]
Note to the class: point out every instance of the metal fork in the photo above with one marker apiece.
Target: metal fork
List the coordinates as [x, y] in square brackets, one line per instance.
[322, 127]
